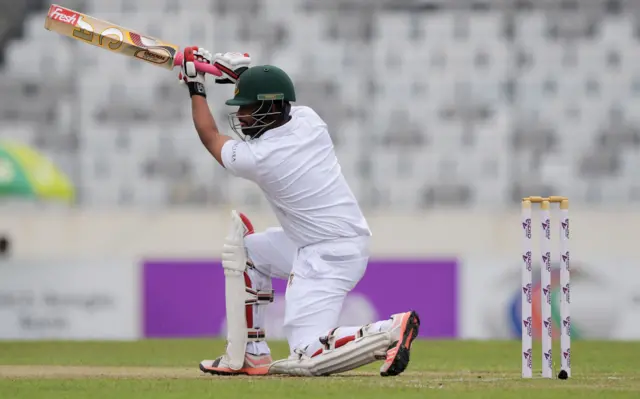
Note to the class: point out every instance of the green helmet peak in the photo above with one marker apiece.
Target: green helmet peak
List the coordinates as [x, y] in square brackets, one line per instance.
[262, 83]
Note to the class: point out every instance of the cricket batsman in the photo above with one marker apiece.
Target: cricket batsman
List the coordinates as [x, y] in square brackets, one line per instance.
[322, 246]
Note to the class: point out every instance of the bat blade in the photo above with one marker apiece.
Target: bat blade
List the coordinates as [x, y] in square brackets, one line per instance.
[110, 36]
[117, 39]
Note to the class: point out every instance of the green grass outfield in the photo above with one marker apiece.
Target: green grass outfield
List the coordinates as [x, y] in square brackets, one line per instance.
[161, 369]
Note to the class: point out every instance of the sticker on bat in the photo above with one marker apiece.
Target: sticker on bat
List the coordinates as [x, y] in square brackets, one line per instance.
[83, 30]
[156, 55]
[143, 41]
[116, 38]
[63, 15]
[154, 51]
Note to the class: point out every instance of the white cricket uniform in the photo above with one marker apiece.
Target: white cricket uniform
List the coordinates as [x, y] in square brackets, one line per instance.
[323, 244]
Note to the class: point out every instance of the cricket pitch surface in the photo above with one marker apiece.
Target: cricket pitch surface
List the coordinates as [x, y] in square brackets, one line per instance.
[161, 369]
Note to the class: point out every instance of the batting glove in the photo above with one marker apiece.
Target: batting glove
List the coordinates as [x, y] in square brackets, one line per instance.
[232, 65]
[188, 72]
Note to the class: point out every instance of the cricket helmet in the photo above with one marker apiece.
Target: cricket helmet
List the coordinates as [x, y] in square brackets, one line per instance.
[262, 86]
[263, 83]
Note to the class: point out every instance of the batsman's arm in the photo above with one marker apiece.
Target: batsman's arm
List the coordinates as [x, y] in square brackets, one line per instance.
[203, 121]
[206, 127]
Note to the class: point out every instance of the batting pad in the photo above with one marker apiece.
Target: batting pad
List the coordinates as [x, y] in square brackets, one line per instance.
[352, 355]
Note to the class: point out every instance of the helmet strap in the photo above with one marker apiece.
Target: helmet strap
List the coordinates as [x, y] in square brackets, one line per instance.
[286, 110]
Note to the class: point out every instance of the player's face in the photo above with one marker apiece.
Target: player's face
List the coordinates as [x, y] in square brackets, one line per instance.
[247, 121]
[256, 118]
[245, 115]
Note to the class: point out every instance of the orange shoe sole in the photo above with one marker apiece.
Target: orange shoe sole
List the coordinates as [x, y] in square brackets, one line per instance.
[398, 352]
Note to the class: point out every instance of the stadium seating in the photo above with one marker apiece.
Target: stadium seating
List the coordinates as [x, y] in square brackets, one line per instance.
[461, 106]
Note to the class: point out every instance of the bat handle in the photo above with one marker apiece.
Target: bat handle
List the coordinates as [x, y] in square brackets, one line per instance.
[200, 66]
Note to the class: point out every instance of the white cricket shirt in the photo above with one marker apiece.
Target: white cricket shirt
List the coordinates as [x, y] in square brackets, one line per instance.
[296, 167]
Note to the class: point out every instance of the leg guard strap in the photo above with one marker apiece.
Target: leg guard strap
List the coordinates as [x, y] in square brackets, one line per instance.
[254, 297]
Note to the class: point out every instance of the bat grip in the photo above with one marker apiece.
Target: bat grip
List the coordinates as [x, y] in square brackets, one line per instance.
[200, 66]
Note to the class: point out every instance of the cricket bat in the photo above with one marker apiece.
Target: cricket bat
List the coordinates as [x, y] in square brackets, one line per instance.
[117, 39]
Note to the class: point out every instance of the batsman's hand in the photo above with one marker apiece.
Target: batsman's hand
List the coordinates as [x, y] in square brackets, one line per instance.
[232, 65]
[188, 72]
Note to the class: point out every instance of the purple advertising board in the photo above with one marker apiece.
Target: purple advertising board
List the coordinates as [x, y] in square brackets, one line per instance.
[185, 298]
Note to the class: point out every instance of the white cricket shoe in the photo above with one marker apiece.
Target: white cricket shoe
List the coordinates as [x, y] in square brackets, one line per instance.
[253, 365]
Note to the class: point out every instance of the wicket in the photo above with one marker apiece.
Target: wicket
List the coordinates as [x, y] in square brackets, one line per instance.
[545, 291]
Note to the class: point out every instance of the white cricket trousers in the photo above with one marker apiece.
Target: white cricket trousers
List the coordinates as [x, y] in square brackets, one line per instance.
[320, 277]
